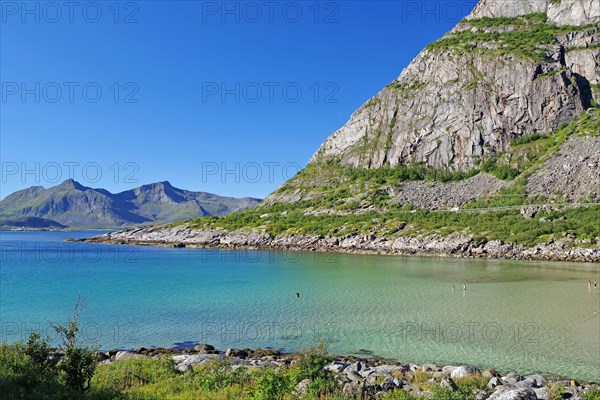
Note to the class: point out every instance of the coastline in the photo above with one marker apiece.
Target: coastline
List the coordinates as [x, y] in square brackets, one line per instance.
[432, 246]
[366, 376]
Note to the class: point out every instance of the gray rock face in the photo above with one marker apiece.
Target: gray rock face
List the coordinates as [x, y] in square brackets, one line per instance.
[496, 9]
[564, 12]
[574, 12]
[450, 107]
[446, 122]
[574, 172]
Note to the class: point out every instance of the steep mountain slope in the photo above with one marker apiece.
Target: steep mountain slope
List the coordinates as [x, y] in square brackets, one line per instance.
[488, 81]
[512, 71]
[486, 145]
[77, 206]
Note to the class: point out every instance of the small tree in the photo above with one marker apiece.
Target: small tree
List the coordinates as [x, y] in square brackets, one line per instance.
[40, 355]
[78, 363]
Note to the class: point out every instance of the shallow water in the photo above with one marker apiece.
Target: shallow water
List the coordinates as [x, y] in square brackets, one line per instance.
[524, 316]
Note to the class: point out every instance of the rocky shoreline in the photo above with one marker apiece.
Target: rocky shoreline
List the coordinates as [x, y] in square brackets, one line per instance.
[459, 246]
[370, 378]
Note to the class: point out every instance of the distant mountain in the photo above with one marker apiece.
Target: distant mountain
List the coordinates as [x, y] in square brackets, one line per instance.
[30, 223]
[73, 205]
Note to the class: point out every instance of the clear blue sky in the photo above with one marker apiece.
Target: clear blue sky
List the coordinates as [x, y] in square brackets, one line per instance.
[162, 67]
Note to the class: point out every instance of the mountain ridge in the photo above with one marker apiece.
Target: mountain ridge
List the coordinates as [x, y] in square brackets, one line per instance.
[486, 145]
[465, 96]
[74, 205]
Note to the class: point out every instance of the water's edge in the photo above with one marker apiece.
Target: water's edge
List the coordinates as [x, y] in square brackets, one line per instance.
[460, 246]
[362, 372]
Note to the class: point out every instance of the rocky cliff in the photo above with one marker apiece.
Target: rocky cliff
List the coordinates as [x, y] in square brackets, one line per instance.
[567, 12]
[486, 145]
[511, 68]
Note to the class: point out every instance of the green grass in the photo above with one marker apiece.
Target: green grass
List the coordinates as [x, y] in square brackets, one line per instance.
[23, 376]
[507, 225]
[26, 372]
[592, 394]
[526, 38]
[407, 87]
[346, 190]
[524, 153]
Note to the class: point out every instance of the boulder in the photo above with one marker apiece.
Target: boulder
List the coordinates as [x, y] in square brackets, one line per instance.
[128, 355]
[448, 383]
[352, 389]
[511, 378]
[354, 376]
[542, 393]
[514, 394]
[204, 348]
[464, 370]
[489, 373]
[449, 369]
[236, 353]
[539, 380]
[336, 366]
[494, 382]
[302, 386]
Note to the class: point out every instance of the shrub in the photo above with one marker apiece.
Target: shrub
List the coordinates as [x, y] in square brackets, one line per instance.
[32, 372]
[311, 366]
[19, 377]
[527, 139]
[272, 385]
[78, 363]
[42, 360]
[218, 374]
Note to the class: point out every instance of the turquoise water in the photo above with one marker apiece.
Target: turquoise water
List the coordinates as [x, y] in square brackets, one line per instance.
[523, 316]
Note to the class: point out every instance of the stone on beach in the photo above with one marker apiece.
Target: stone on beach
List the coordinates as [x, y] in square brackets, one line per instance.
[513, 394]
[128, 355]
[464, 370]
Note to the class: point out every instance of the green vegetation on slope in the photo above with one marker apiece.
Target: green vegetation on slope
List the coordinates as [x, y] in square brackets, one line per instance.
[507, 224]
[527, 153]
[524, 154]
[340, 200]
[526, 38]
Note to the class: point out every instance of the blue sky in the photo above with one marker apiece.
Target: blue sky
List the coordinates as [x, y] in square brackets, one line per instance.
[230, 98]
